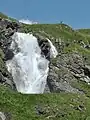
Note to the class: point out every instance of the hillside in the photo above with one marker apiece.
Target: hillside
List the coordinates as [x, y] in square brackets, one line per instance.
[67, 94]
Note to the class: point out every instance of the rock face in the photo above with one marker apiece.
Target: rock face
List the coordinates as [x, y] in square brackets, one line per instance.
[44, 45]
[7, 29]
[68, 71]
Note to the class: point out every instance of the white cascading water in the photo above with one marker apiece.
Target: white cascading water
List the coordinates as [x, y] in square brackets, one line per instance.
[28, 68]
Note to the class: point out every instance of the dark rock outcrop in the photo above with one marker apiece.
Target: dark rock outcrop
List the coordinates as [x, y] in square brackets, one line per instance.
[7, 29]
[44, 45]
[65, 73]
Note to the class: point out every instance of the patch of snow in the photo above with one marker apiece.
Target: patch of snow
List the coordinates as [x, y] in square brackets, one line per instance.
[27, 21]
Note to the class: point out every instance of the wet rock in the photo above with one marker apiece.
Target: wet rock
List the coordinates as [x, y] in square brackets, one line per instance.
[9, 54]
[5, 116]
[2, 78]
[2, 116]
[44, 45]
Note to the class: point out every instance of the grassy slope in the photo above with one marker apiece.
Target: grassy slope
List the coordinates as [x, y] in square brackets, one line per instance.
[66, 34]
[84, 31]
[6, 17]
[51, 106]
[62, 31]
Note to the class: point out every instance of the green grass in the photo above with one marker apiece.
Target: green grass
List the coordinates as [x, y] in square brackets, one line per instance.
[62, 31]
[55, 30]
[6, 17]
[63, 106]
[85, 31]
[70, 38]
[3, 15]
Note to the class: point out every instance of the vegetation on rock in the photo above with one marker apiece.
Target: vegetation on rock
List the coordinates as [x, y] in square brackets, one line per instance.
[6, 17]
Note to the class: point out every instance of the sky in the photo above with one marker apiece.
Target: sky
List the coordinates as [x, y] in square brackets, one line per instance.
[75, 13]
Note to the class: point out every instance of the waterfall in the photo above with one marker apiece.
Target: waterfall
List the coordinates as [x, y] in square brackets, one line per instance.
[28, 67]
